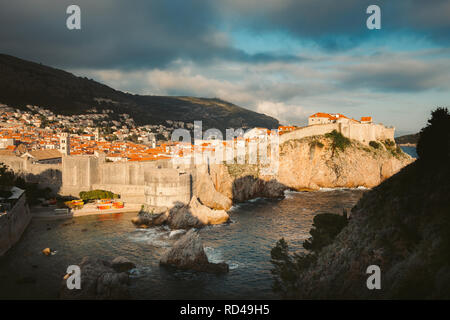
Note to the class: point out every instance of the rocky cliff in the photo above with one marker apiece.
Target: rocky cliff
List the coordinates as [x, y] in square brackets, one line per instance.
[402, 226]
[308, 164]
[314, 162]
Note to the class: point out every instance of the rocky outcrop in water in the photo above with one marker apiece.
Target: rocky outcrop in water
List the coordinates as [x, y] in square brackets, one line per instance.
[188, 253]
[122, 264]
[100, 280]
[193, 215]
[207, 193]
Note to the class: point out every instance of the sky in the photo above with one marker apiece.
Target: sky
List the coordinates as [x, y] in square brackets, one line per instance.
[285, 58]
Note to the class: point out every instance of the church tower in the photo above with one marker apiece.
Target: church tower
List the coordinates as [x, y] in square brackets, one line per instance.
[64, 143]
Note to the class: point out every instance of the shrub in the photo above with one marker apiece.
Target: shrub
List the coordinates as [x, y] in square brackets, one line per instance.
[389, 143]
[326, 226]
[97, 194]
[374, 144]
[288, 268]
[338, 140]
[434, 141]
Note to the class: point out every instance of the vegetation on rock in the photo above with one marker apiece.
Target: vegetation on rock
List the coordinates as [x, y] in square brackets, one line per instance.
[374, 144]
[338, 141]
[97, 194]
[287, 267]
[402, 226]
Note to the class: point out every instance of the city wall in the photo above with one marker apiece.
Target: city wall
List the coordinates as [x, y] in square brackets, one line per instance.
[47, 175]
[363, 132]
[157, 183]
[13, 224]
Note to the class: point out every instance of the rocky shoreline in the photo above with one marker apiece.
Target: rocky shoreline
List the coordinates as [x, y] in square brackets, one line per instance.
[307, 164]
[100, 280]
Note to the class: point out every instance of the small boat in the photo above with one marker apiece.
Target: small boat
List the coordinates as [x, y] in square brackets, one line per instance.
[104, 206]
[118, 204]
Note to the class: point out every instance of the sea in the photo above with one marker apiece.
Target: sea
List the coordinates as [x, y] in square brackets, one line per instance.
[244, 243]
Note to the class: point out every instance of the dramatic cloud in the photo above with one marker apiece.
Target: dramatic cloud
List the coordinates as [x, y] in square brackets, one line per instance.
[286, 58]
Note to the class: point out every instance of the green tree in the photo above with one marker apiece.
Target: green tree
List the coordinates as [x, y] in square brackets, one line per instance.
[434, 140]
[289, 267]
[338, 141]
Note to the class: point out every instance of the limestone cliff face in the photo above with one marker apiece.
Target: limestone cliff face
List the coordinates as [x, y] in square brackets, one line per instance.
[243, 182]
[311, 163]
[307, 164]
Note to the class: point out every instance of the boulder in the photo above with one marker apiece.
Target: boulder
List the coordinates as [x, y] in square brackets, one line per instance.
[188, 253]
[206, 215]
[194, 215]
[180, 217]
[209, 196]
[122, 264]
[99, 280]
[143, 220]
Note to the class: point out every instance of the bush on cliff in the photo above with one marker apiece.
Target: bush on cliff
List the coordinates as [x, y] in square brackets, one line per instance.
[287, 267]
[338, 141]
[374, 144]
[434, 140]
[97, 194]
[326, 226]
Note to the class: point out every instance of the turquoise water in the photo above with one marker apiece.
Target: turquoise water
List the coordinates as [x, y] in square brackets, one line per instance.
[244, 244]
[412, 151]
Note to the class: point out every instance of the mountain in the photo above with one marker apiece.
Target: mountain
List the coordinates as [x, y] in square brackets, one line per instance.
[409, 138]
[24, 82]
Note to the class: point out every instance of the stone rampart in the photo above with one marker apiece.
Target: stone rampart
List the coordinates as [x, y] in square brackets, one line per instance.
[13, 224]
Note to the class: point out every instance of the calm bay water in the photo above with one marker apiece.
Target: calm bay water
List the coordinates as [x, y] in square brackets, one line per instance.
[412, 151]
[244, 244]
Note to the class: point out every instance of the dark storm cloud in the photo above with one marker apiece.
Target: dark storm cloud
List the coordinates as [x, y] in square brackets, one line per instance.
[119, 34]
[342, 24]
[146, 35]
[142, 34]
[396, 75]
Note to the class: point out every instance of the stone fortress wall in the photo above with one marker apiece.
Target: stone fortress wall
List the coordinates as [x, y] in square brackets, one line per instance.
[156, 183]
[363, 132]
[13, 224]
[47, 175]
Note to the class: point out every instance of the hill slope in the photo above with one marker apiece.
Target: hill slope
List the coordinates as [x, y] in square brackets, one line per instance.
[409, 138]
[23, 82]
